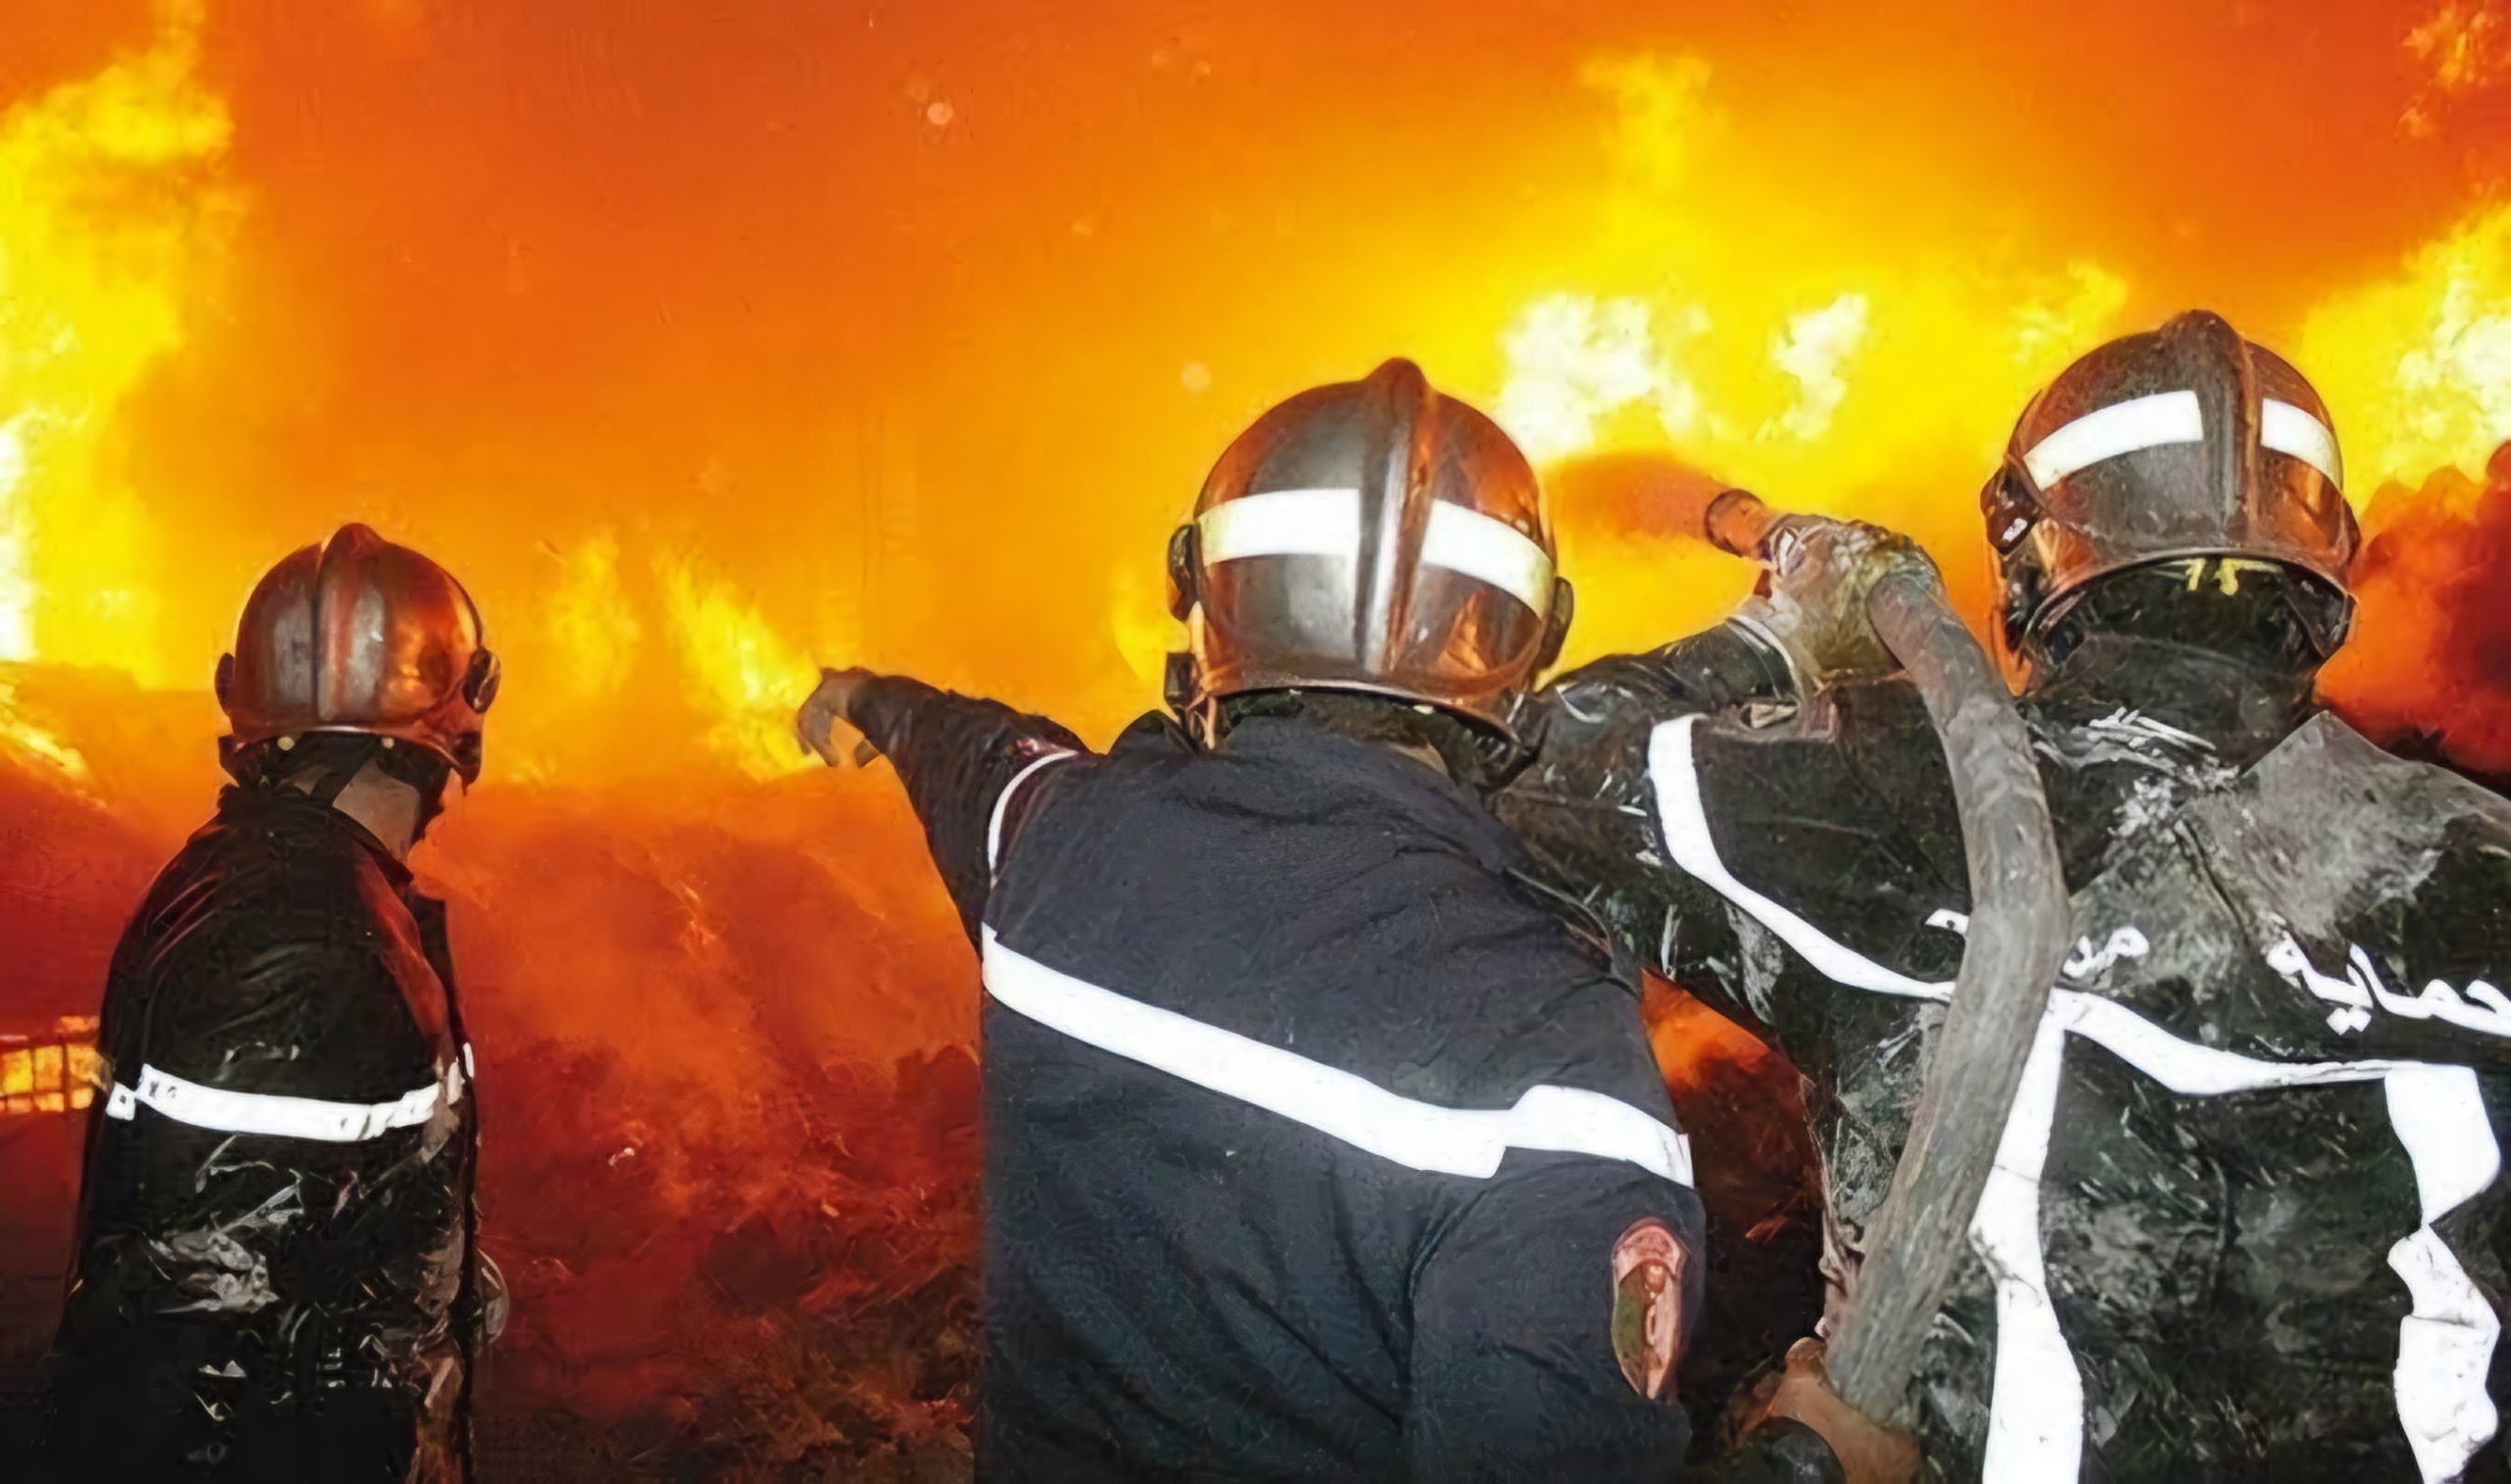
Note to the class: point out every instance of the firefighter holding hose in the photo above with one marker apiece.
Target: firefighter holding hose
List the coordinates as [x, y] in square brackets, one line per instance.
[2247, 1218]
[274, 1276]
[1322, 1142]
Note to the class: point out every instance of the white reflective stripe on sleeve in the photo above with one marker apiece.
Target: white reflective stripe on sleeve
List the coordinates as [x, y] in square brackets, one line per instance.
[1490, 550]
[2287, 429]
[1417, 1135]
[2036, 1420]
[1002, 806]
[2148, 421]
[230, 1112]
[2444, 1348]
[1282, 523]
[2439, 1115]
[2035, 1412]
[2445, 1344]
[1685, 822]
[2188, 1068]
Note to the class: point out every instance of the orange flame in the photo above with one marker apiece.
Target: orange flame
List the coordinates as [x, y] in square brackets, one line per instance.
[113, 220]
[712, 345]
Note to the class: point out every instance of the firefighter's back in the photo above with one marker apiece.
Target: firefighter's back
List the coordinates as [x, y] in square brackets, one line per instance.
[257, 1283]
[2249, 1209]
[1232, 997]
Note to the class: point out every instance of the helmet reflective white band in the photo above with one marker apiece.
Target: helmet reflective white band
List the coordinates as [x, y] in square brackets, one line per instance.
[1413, 558]
[2149, 422]
[1489, 550]
[2289, 430]
[2248, 469]
[1327, 523]
[1283, 523]
[2173, 417]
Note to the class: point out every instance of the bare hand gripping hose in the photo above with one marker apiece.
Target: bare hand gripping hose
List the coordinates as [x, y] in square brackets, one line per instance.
[2020, 921]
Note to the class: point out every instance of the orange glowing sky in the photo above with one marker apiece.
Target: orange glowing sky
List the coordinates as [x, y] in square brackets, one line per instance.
[707, 340]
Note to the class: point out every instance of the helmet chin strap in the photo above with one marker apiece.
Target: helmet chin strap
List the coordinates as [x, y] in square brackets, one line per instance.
[431, 806]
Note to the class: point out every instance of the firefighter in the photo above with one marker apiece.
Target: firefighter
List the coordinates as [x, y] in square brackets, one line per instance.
[2247, 1220]
[274, 1276]
[1321, 1143]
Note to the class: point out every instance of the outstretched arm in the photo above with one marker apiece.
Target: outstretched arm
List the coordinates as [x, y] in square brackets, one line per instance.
[960, 759]
[1587, 806]
[1587, 811]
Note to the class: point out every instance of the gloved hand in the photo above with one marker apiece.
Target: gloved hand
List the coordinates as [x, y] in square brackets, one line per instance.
[1868, 1451]
[829, 712]
[1812, 599]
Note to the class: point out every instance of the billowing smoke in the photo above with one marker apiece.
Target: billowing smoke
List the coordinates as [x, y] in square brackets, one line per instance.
[2428, 667]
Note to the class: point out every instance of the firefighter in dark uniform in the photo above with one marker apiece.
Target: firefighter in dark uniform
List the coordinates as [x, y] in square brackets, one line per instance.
[2247, 1220]
[274, 1276]
[1321, 1143]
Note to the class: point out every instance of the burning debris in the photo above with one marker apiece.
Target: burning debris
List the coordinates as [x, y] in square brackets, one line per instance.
[49, 1071]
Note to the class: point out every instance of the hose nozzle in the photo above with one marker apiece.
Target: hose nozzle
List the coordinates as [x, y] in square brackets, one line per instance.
[1738, 524]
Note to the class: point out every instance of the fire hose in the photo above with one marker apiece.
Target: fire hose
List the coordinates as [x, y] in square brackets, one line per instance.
[2015, 941]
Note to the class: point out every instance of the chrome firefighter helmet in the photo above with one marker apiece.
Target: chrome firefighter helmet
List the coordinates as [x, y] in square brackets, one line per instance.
[360, 636]
[1374, 536]
[2185, 441]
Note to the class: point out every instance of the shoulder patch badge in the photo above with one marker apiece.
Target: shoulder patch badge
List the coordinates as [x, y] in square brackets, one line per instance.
[1648, 1305]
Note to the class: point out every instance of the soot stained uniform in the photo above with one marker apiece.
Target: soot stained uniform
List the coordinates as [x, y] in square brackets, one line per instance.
[275, 1277]
[1256, 1205]
[2248, 1221]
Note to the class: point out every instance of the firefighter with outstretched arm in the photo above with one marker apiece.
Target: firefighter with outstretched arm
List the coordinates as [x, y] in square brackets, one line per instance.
[1322, 1142]
[2247, 1219]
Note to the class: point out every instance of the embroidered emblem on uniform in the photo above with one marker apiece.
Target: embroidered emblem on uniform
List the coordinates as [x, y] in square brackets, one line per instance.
[1648, 1305]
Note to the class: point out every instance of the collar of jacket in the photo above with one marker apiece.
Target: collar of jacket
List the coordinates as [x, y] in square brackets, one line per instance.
[2236, 707]
[1418, 788]
[286, 812]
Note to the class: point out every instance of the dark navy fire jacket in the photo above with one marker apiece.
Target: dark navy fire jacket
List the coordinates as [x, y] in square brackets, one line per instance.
[1322, 1142]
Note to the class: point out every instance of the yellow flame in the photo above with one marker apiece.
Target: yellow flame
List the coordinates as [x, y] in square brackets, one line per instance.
[1726, 326]
[591, 620]
[1856, 377]
[2062, 319]
[1590, 373]
[1661, 108]
[1815, 350]
[2417, 367]
[17, 576]
[1577, 365]
[1138, 625]
[1827, 373]
[2464, 46]
[28, 739]
[111, 218]
[738, 668]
